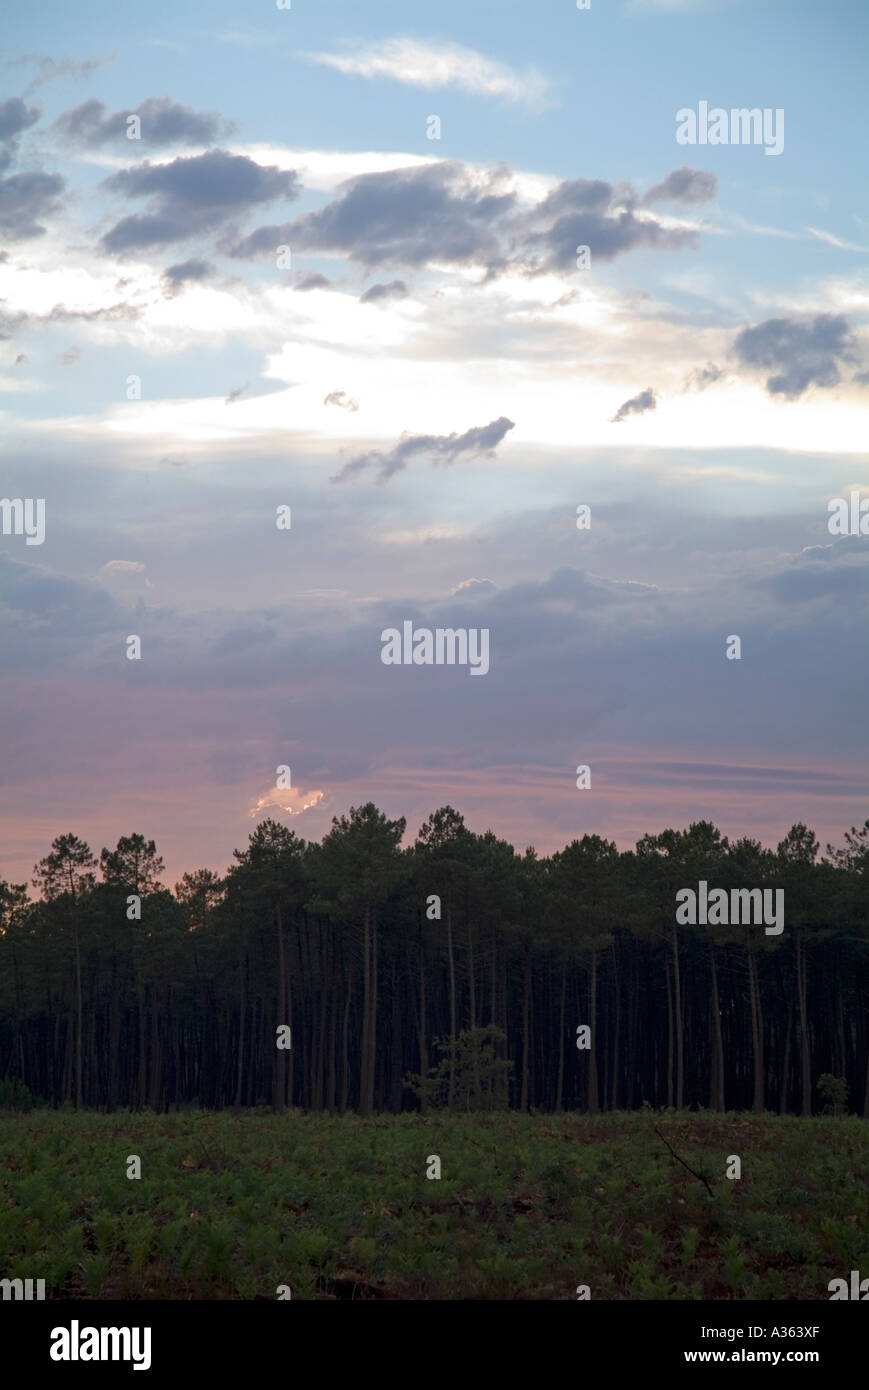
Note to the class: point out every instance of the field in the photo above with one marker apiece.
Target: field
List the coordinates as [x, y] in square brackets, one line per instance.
[527, 1207]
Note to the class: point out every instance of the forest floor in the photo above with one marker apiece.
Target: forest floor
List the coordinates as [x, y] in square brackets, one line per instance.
[526, 1207]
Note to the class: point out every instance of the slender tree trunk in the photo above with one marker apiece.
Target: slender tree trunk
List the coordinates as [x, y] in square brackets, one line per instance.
[452, 1006]
[372, 1036]
[366, 1013]
[756, 1028]
[79, 1016]
[786, 1061]
[593, 1100]
[614, 1091]
[669, 1040]
[805, 1060]
[143, 1050]
[526, 1026]
[423, 1038]
[279, 1090]
[345, 1048]
[677, 1007]
[559, 1089]
[242, 1011]
[716, 1080]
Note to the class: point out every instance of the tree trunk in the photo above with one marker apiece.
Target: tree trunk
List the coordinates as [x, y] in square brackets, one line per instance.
[677, 1008]
[669, 1039]
[756, 1029]
[805, 1060]
[593, 1100]
[79, 1017]
[716, 1078]
[242, 1010]
[280, 1058]
[614, 1090]
[559, 1089]
[452, 1007]
[786, 1061]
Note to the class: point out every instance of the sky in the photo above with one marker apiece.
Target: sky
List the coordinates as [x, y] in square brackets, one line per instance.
[338, 269]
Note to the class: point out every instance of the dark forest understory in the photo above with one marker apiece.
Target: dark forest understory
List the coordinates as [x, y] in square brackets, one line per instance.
[342, 942]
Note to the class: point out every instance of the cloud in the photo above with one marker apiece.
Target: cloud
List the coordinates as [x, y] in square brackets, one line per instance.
[163, 121]
[122, 567]
[685, 185]
[637, 405]
[599, 215]
[802, 352]
[443, 449]
[75, 68]
[293, 800]
[23, 199]
[395, 289]
[125, 577]
[21, 360]
[113, 313]
[16, 117]
[191, 195]
[701, 377]
[342, 400]
[10, 323]
[192, 271]
[418, 63]
[448, 213]
[412, 216]
[843, 575]
[70, 357]
[234, 395]
[475, 588]
[315, 281]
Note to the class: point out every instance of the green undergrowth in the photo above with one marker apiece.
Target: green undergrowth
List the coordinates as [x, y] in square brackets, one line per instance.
[527, 1207]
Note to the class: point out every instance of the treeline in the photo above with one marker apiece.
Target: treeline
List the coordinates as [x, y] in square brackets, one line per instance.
[116, 992]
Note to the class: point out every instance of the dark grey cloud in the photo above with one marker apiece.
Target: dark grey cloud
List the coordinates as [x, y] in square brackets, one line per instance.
[234, 395]
[342, 400]
[315, 281]
[601, 216]
[25, 198]
[446, 213]
[685, 185]
[16, 117]
[409, 216]
[192, 271]
[50, 71]
[701, 377]
[393, 289]
[113, 313]
[637, 405]
[163, 122]
[801, 352]
[21, 359]
[840, 571]
[442, 449]
[191, 195]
